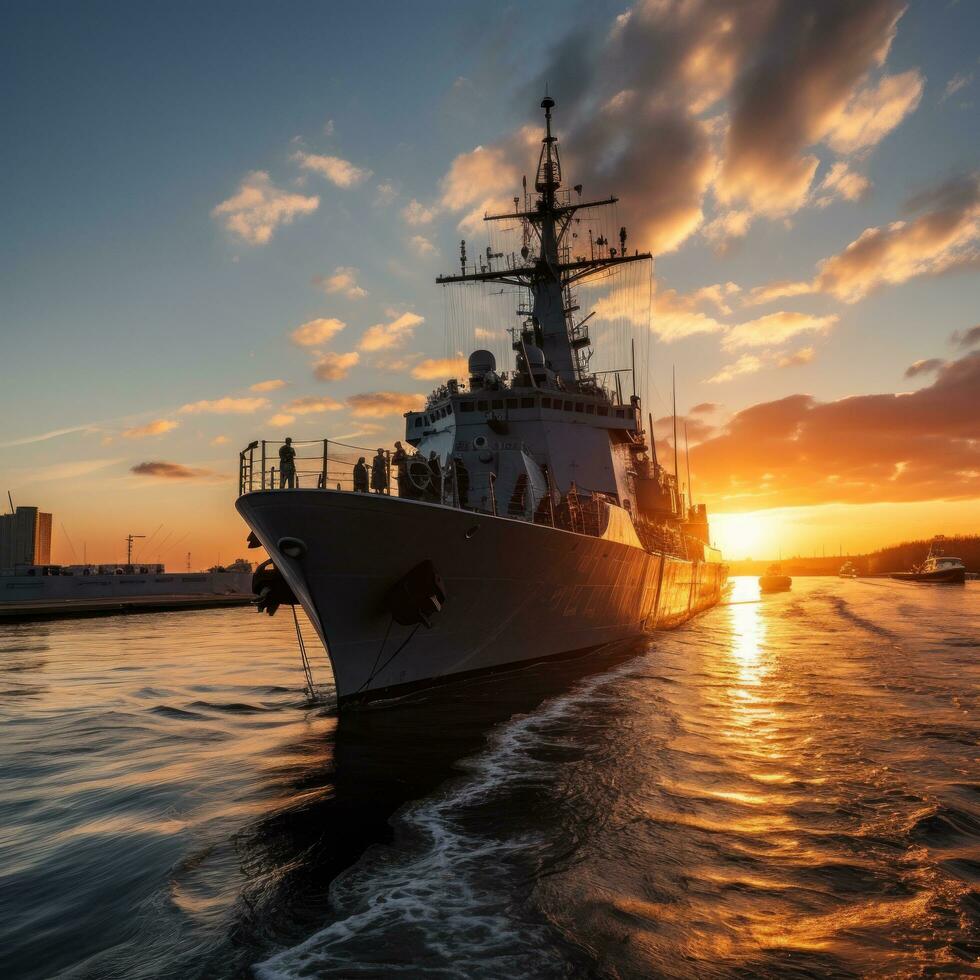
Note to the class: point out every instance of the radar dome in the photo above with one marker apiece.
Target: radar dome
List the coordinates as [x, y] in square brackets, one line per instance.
[482, 361]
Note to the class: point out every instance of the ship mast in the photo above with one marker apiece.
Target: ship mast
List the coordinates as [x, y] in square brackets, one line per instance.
[549, 275]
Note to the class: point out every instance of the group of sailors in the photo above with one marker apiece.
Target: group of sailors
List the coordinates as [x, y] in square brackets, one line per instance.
[418, 477]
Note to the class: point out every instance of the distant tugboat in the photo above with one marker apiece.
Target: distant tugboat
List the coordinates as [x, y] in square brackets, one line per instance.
[847, 570]
[936, 568]
[774, 580]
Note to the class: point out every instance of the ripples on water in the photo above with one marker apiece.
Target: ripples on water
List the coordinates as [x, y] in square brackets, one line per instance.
[783, 787]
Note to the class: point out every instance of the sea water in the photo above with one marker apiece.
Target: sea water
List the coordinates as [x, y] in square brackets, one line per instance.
[788, 785]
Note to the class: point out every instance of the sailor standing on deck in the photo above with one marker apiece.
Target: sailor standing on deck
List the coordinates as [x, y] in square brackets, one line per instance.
[399, 459]
[360, 476]
[379, 473]
[435, 476]
[287, 465]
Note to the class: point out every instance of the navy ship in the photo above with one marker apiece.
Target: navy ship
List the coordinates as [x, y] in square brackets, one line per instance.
[534, 519]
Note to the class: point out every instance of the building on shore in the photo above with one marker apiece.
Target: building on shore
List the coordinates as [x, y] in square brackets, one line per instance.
[25, 538]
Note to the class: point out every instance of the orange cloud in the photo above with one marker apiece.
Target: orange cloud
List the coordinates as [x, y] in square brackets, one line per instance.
[225, 406]
[311, 404]
[333, 367]
[840, 182]
[378, 404]
[776, 328]
[155, 428]
[343, 281]
[259, 208]
[273, 384]
[317, 331]
[440, 368]
[924, 445]
[946, 236]
[394, 333]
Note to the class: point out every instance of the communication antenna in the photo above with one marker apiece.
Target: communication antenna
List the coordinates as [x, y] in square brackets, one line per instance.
[653, 441]
[188, 561]
[687, 453]
[673, 388]
[11, 499]
[68, 539]
[130, 538]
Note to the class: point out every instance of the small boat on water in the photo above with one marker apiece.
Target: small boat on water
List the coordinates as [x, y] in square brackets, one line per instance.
[774, 580]
[847, 570]
[936, 568]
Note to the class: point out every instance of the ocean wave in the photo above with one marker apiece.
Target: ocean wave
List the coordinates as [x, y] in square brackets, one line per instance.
[441, 891]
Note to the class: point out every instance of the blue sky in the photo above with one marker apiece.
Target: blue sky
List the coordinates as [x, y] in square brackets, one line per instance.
[124, 297]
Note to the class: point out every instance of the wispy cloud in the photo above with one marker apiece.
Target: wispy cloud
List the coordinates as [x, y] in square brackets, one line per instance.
[378, 404]
[318, 331]
[155, 428]
[162, 470]
[928, 365]
[440, 368]
[395, 332]
[340, 172]
[225, 406]
[259, 207]
[342, 280]
[956, 84]
[68, 470]
[273, 384]
[966, 339]
[422, 246]
[944, 236]
[332, 366]
[312, 404]
[776, 328]
[416, 213]
[51, 434]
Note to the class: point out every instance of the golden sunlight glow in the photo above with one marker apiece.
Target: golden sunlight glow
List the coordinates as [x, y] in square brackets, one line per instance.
[740, 535]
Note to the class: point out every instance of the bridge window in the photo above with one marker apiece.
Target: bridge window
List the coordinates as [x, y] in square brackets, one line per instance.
[466, 406]
[527, 403]
[546, 403]
[579, 407]
[620, 414]
[590, 409]
[512, 403]
[482, 406]
[568, 406]
[418, 422]
[497, 403]
[602, 410]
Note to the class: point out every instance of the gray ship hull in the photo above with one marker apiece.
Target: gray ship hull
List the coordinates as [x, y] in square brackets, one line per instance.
[516, 592]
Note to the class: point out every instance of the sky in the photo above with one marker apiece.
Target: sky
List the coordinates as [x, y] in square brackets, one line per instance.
[222, 222]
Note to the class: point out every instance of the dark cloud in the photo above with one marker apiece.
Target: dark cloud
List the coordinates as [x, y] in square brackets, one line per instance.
[868, 448]
[651, 104]
[697, 430]
[927, 366]
[965, 339]
[169, 471]
[804, 70]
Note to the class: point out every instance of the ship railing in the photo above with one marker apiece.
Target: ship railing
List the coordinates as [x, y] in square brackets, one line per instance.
[318, 463]
[329, 464]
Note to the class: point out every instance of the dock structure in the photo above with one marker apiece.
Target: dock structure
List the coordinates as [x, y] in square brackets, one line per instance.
[35, 609]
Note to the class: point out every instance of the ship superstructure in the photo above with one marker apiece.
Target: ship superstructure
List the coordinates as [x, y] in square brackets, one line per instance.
[534, 518]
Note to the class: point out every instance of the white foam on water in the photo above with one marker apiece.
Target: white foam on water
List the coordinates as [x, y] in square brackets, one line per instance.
[445, 904]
